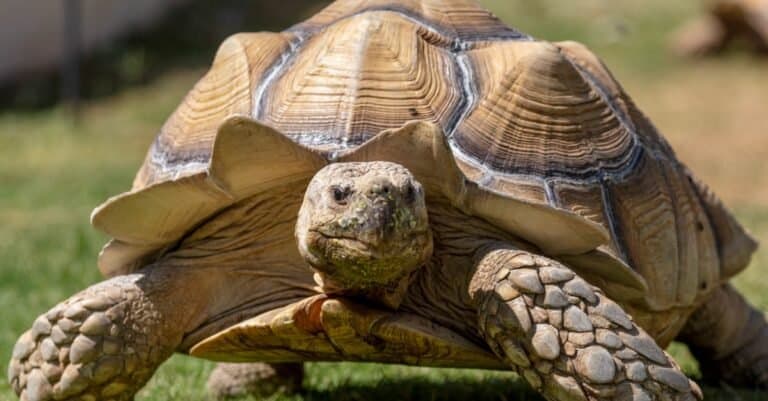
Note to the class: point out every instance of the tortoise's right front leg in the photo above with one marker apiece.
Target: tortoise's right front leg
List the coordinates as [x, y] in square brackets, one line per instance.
[105, 342]
[567, 339]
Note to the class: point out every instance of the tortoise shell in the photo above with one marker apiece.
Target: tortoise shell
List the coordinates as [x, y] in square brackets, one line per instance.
[537, 137]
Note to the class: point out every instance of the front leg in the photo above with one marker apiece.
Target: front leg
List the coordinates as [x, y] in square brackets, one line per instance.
[105, 342]
[566, 338]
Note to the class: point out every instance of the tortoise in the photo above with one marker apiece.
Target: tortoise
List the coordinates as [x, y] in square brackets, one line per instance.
[407, 182]
[726, 21]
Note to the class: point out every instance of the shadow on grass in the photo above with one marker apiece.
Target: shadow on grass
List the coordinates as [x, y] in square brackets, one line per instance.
[422, 389]
[726, 393]
[458, 389]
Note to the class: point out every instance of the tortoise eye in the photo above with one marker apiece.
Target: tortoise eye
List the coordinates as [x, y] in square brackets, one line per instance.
[340, 194]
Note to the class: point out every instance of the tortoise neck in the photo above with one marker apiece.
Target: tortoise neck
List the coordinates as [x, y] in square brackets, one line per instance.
[441, 290]
[248, 260]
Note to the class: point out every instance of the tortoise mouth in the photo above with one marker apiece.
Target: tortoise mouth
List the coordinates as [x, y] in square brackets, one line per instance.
[351, 266]
[379, 261]
[348, 242]
[376, 249]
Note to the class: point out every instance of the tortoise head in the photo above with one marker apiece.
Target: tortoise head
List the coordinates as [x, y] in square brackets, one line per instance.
[363, 227]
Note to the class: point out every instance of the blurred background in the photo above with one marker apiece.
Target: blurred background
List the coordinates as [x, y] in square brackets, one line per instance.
[86, 84]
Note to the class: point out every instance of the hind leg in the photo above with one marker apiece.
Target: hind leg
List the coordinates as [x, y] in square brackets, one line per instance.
[729, 337]
[258, 379]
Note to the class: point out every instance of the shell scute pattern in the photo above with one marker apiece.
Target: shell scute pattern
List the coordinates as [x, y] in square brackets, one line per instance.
[540, 122]
[184, 144]
[536, 115]
[460, 19]
[362, 75]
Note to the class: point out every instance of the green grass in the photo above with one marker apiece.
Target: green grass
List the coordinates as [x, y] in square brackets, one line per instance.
[53, 172]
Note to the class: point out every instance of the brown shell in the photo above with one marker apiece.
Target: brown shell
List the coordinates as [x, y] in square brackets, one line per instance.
[541, 124]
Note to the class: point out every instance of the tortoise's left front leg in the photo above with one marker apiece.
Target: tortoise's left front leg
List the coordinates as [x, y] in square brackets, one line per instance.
[566, 338]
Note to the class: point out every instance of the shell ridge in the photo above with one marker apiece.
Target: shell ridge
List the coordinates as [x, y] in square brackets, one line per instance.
[592, 176]
[353, 90]
[274, 72]
[468, 90]
[550, 193]
[165, 163]
[612, 221]
[244, 51]
[510, 34]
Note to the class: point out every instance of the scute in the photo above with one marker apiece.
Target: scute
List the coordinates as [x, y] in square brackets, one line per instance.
[338, 92]
[662, 228]
[536, 115]
[183, 146]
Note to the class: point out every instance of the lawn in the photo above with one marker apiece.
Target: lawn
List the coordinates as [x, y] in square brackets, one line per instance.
[53, 172]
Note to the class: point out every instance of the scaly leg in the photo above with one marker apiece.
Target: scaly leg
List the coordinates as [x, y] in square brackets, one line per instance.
[257, 379]
[566, 338]
[105, 342]
[729, 337]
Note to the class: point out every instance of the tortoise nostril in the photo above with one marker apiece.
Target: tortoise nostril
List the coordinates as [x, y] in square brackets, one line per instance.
[410, 193]
[379, 189]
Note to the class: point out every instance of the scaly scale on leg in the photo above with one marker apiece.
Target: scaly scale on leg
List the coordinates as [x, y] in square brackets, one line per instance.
[103, 343]
[566, 338]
